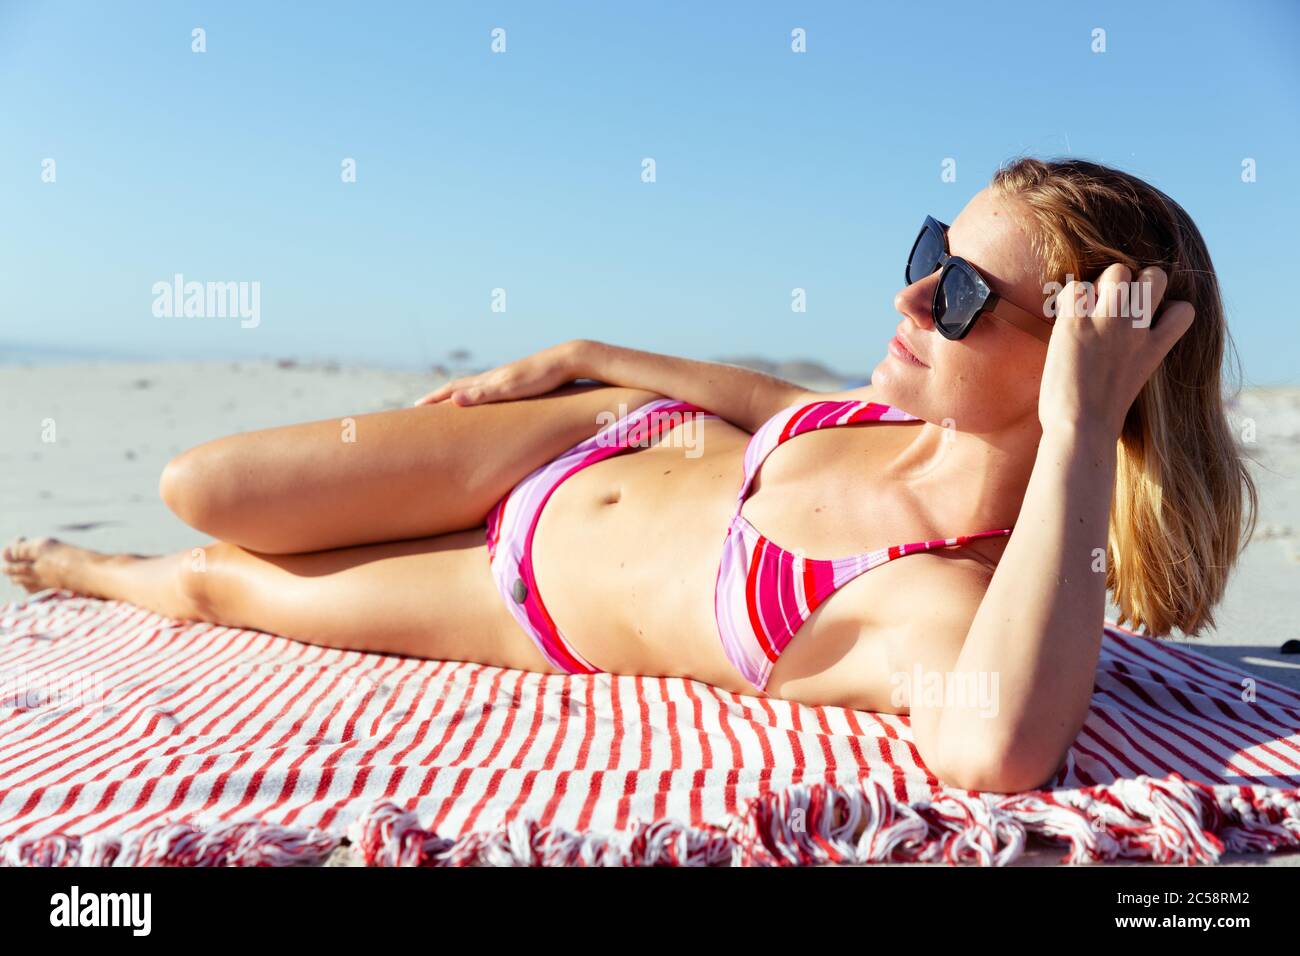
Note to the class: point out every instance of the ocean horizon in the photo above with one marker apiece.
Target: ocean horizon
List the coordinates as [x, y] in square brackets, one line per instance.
[457, 362]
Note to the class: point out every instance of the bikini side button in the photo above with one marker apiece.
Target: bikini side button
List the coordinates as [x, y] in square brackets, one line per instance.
[520, 591]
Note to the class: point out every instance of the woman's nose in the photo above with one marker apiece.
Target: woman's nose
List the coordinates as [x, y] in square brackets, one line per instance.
[914, 301]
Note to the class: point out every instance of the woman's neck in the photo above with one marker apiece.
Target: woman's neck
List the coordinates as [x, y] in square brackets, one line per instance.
[969, 480]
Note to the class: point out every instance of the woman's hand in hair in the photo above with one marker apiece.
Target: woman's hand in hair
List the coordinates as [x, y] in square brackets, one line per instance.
[537, 374]
[1105, 345]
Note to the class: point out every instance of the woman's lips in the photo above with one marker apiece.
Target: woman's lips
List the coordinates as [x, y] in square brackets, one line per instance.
[898, 348]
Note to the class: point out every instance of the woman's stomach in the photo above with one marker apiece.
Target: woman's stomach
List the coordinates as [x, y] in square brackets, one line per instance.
[626, 553]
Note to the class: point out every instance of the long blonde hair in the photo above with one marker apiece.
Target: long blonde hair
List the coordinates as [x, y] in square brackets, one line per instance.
[1185, 504]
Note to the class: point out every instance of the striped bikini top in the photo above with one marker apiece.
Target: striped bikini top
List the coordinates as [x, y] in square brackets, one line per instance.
[764, 593]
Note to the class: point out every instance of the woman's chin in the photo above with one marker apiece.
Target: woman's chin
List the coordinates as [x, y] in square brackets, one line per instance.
[887, 384]
[893, 384]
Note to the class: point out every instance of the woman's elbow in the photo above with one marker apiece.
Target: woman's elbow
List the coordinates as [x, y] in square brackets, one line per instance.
[995, 770]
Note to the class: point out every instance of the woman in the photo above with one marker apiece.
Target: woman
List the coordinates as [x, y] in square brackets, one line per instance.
[665, 524]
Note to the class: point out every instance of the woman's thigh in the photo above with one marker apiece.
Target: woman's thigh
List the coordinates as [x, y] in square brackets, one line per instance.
[387, 476]
[429, 597]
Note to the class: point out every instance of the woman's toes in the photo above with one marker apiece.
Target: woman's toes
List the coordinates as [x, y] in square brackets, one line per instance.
[14, 562]
[22, 549]
[21, 575]
[31, 549]
[36, 563]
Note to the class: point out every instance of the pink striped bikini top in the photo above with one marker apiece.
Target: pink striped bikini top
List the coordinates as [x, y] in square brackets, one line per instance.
[764, 593]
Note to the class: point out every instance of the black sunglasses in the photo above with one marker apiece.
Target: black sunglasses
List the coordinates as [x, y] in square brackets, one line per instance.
[962, 295]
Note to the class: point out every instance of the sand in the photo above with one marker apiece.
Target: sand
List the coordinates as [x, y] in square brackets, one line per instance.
[82, 446]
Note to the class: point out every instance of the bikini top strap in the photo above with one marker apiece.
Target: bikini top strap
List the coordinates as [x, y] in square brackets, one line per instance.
[798, 419]
[847, 568]
[960, 540]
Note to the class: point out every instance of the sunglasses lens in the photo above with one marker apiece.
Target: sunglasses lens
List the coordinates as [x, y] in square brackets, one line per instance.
[925, 255]
[956, 301]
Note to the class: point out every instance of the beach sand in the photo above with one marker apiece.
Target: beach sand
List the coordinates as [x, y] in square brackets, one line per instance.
[115, 425]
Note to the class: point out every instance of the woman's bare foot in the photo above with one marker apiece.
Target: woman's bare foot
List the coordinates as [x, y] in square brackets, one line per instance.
[157, 583]
[35, 564]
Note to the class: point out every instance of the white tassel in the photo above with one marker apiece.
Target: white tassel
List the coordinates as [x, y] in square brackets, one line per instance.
[1168, 820]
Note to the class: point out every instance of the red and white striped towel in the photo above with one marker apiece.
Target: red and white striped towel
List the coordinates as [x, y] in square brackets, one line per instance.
[132, 739]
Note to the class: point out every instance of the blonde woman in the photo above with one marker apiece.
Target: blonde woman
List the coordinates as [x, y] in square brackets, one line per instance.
[1017, 454]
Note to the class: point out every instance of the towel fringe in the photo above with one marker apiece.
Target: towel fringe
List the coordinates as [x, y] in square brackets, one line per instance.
[179, 844]
[1163, 820]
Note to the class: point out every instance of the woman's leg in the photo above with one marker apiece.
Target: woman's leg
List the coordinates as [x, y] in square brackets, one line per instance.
[388, 476]
[429, 597]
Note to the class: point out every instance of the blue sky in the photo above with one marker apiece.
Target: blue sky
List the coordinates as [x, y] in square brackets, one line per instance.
[522, 170]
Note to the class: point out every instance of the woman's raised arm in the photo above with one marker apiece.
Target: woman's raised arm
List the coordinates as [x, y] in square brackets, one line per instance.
[1038, 627]
[742, 396]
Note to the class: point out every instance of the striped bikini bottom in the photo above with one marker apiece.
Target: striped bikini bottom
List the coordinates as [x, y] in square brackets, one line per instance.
[513, 520]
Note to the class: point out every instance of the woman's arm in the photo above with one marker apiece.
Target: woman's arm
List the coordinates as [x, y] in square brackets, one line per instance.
[1036, 634]
[742, 396]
